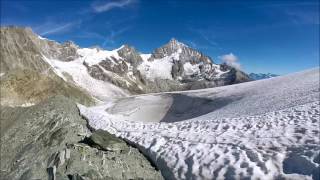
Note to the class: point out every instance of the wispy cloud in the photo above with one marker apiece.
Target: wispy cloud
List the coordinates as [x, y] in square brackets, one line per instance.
[206, 35]
[295, 13]
[89, 35]
[110, 39]
[231, 60]
[303, 17]
[50, 27]
[109, 5]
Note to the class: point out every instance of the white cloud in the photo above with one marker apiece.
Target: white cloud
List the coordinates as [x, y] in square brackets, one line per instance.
[109, 5]
[231, 60]
[207, 35]
[55, 28]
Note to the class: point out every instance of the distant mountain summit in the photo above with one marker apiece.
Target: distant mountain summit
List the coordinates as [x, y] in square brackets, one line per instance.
[120, 72]
[258, 76]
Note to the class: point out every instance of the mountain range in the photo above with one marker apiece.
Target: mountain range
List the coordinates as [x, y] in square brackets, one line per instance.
[100, 74]
[258, 76]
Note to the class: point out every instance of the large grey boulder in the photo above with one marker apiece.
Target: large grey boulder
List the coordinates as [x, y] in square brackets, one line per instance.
[106, 141]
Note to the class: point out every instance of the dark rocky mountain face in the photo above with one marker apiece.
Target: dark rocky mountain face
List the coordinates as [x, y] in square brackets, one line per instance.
[186, 54]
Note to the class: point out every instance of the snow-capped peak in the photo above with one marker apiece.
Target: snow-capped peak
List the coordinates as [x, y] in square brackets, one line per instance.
[174, 43]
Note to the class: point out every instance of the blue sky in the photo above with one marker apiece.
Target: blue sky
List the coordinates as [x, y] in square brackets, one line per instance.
[280, 36]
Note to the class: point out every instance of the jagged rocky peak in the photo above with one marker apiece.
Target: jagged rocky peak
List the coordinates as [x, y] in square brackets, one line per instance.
[130, 55]
[66, 51]
[180, 52]
[126, 48]
[70, 44]
[174, 44]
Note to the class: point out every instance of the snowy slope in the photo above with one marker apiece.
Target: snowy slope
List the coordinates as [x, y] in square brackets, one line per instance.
[94, 56]
[160, 68]
[80, 76]
[264, 129]
[251, 98]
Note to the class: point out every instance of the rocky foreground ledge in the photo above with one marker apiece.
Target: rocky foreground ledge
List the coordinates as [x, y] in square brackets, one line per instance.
[51, 141]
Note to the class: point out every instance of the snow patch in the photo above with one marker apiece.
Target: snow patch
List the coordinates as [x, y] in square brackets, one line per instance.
[190, 69]
[159, 68]
[145, 57]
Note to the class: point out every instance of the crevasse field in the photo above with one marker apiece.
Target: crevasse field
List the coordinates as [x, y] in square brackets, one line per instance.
[265, 129]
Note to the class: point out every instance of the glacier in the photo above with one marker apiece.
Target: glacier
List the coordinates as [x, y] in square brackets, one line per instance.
[265, 129]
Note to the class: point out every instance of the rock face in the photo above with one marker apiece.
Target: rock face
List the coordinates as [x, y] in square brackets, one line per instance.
[190, 65]
[21, 48]
[174, 66]
[26, 77]
[28, 87]
[49, 141]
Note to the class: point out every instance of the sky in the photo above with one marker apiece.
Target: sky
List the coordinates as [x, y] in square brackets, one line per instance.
[261, 36]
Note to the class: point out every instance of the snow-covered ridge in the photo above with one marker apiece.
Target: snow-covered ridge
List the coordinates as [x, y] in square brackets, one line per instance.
[79, 75]
[263, 129]
[174, 66]
[94, 56]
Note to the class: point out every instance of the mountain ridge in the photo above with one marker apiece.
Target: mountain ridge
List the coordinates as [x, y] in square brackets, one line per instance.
[258, 76]
[123, 71]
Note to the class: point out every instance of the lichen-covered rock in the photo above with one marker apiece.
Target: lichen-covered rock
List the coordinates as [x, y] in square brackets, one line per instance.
[106, 141]
[47, 141]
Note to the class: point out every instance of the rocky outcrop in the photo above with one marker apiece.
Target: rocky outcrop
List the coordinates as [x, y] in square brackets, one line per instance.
[106, 141]
[21, 48]
[51, 141]
[130, 55]
[28, 87]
